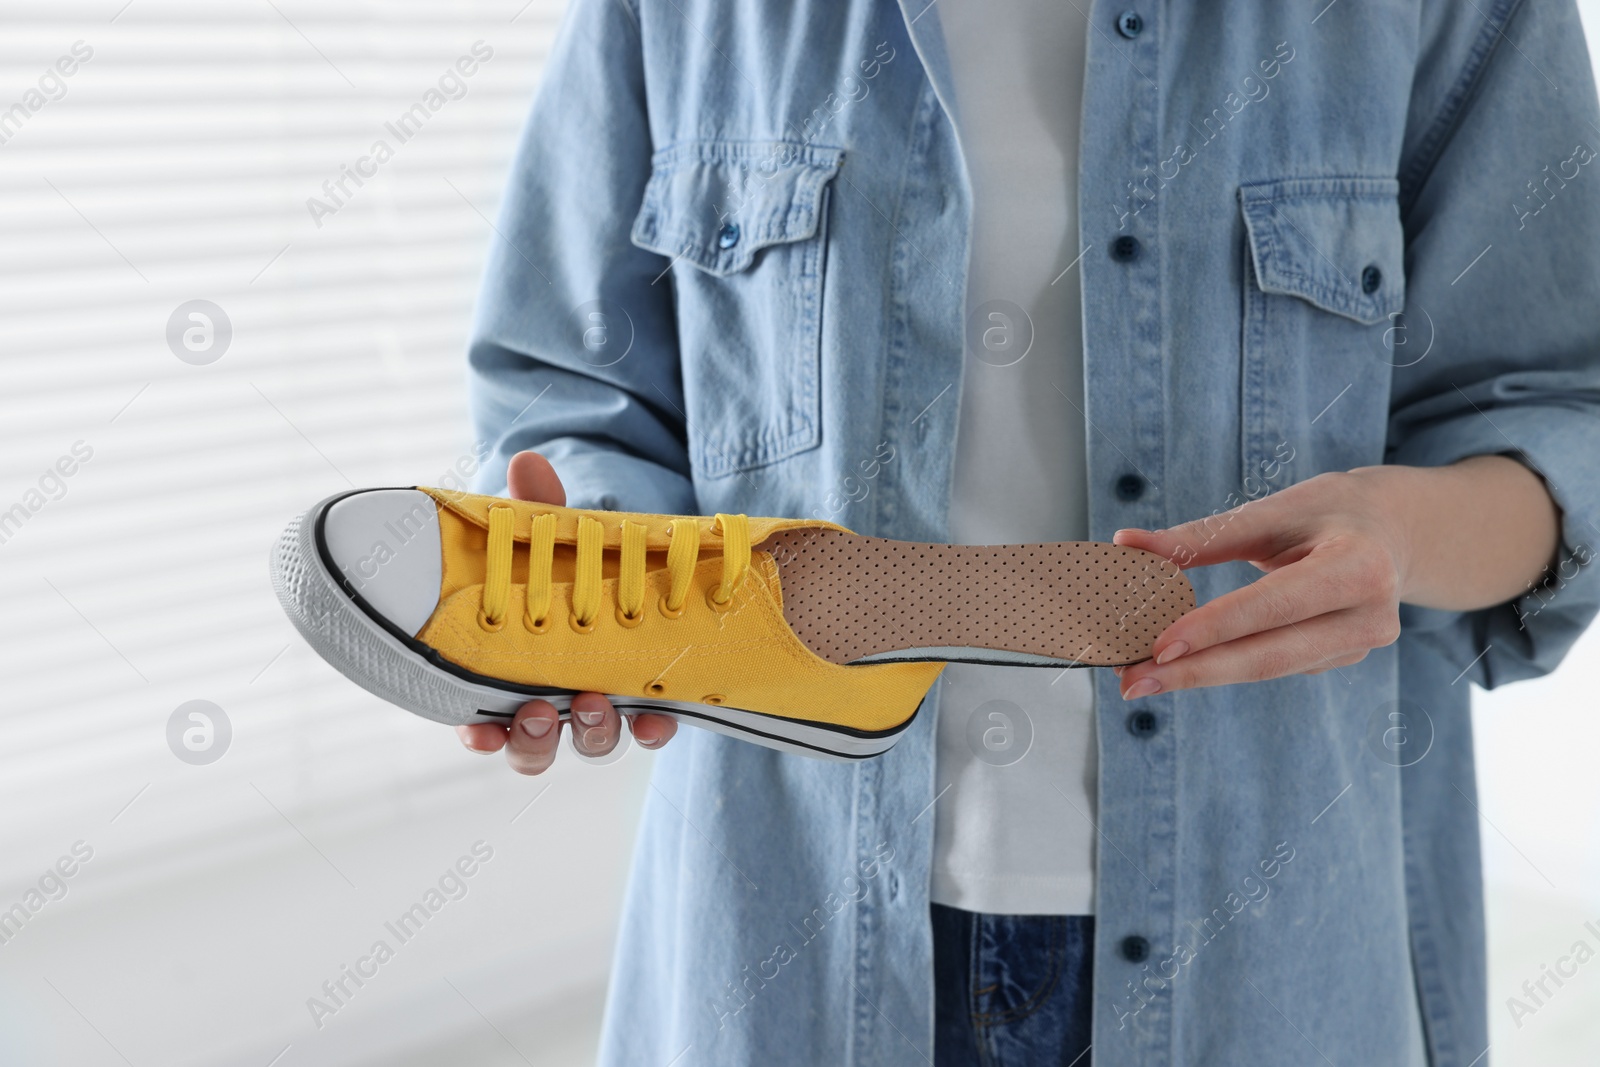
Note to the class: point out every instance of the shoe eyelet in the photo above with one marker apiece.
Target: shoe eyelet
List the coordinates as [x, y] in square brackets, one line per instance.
[491, 627]
[542, 626]
[578, 627]
[714, 699]
[656, 688]
[711, 601]
[668, 612]
[626, 621]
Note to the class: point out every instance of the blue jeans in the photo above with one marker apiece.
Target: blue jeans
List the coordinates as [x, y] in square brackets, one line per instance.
[1011, 990]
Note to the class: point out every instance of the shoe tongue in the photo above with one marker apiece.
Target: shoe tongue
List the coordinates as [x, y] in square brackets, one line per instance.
[766, 570]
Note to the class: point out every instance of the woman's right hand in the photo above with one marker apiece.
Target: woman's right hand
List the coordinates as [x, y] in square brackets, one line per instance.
[535, 732]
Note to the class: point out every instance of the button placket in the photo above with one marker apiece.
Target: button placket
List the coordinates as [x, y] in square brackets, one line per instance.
[1125, 368]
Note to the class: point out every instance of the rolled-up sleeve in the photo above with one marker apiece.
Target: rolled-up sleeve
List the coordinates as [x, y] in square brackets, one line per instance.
[1501, 335]
[574, 350]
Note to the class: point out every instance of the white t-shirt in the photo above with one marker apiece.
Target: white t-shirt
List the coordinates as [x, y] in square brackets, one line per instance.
[1016, 746]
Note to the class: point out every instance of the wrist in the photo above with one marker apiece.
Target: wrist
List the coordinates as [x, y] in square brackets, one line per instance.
[1468, 535]
[1397, 504]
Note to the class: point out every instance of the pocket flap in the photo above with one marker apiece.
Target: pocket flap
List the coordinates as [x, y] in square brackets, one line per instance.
[1336, 242]
[718, 203]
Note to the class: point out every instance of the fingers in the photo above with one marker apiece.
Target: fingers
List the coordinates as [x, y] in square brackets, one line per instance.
[1333, 576]
[484, 737]
[1329, 595]
[1336, 639]
[1343, 661]
[535, 732]
[652, 731]
[1260, 529]
[596, 726]
[530, 477]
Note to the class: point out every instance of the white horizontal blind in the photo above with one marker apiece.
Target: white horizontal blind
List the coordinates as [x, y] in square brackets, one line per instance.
[175, 163]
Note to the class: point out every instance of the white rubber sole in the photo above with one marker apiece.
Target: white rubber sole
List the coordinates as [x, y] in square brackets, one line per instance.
[382, 660]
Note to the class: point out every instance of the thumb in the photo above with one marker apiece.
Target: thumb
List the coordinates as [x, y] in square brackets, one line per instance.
[530, 477]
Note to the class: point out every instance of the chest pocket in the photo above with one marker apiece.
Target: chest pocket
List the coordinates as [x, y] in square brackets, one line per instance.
[1324, 289]
[744, 225]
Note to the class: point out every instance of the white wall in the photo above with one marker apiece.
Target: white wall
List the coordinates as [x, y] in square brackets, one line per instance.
[218, 898]
[177, 165]
[1539, 796]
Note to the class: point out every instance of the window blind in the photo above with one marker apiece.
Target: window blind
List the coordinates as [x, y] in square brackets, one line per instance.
[158, 153]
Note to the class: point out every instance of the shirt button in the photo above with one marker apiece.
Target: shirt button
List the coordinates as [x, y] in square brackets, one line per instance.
[728, 236]
[1134, 948]
[1129, 24]
[1371, 278]
[1143, 724]
[1130, 487]
[1125, 248]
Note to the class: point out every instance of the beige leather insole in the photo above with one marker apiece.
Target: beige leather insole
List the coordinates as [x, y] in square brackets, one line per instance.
[1096, 605]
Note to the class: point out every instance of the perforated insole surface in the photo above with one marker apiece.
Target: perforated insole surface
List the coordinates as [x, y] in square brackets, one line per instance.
[1098, 605]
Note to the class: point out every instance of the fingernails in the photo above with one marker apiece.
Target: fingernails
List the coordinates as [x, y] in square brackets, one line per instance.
[651, 743]
[536, 725]
[1142, 688]
[594, 738]
[1172, 652]
[590, 718]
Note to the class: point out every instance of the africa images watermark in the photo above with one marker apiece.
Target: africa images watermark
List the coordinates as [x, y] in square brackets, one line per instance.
[855, 488]
[1256, 890]
[412, 516]
[452, 885]
[50, 487]
[52, 86]
[50, 887]
[783, 553]
[740, 994]
[1156, 576]
[1254, 90]
[1544, 189]
[451, 85]
[851, 90]
[1536, 993]
[1551, 582]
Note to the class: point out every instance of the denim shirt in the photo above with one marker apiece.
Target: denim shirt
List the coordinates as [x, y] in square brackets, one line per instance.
[728, 276]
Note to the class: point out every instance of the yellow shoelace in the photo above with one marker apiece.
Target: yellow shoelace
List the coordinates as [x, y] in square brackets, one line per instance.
[682, 555]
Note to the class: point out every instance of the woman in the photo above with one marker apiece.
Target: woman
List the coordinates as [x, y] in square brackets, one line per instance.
[1310, 292]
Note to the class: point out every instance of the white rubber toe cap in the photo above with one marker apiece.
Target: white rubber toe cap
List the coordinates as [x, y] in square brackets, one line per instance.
[386, 543]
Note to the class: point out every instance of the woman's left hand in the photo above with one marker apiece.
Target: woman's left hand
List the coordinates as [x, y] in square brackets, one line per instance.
[1335, 551]
[1341, 551]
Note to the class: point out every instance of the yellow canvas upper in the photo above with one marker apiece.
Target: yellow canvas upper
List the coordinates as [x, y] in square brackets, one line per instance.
[741, 655]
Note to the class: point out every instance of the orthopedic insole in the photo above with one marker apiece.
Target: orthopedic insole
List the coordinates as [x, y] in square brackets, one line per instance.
[855, 599]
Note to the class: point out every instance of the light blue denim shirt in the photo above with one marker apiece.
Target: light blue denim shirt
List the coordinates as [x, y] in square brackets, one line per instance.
[728, 277]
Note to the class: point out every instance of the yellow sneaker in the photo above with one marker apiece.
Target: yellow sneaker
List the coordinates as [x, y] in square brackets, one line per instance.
[792, 633]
